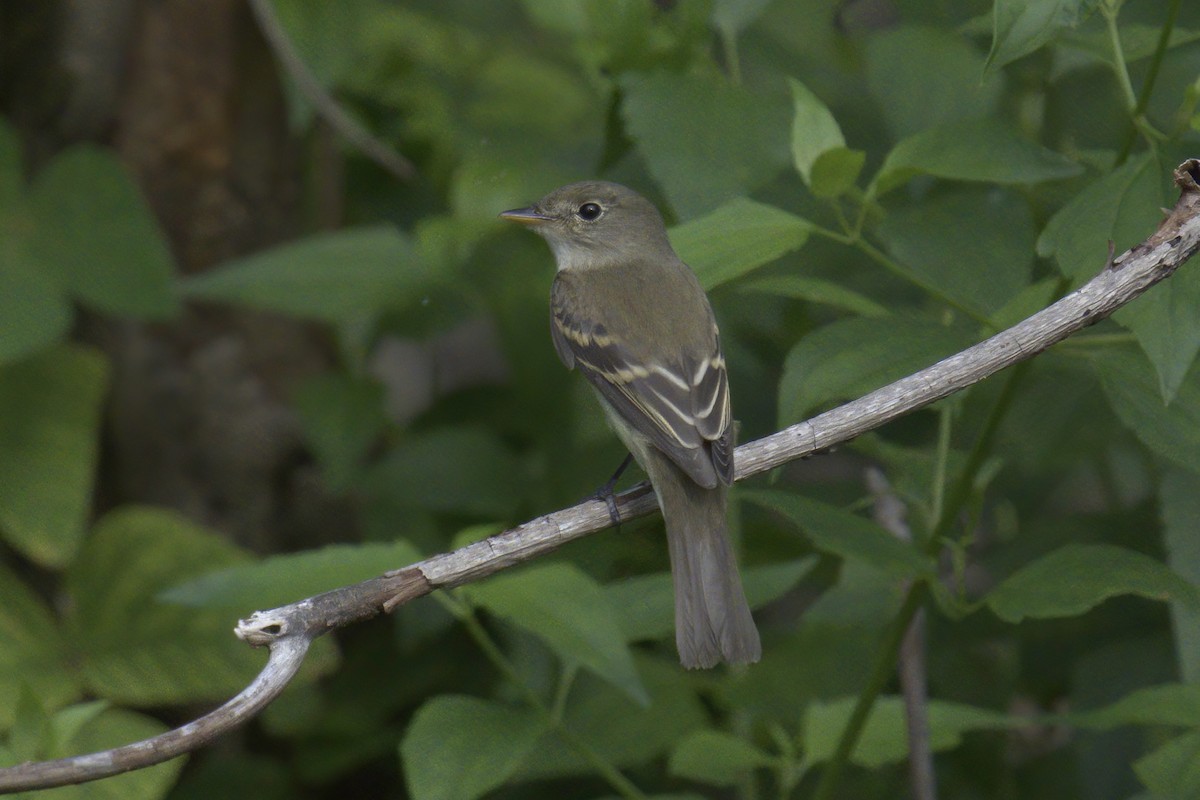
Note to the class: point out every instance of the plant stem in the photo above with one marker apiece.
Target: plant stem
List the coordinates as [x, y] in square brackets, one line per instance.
[885, 661]
[1143, 100]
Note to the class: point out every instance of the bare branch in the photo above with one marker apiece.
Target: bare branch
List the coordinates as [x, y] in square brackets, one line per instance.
[287, 630]
[322, 101]
[890, 514]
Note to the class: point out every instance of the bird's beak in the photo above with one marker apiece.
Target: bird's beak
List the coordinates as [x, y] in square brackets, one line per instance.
[525, 216]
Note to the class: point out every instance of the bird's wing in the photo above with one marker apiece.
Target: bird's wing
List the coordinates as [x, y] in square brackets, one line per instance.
[683, 408]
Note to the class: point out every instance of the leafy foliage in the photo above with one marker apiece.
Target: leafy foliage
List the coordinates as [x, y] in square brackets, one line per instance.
[864, 189]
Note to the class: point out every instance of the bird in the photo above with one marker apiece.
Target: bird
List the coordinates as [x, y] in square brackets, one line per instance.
[631, 316]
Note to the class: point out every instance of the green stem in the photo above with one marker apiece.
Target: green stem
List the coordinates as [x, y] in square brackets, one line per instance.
[885, 660]
[942, 462]
[1143, 99]
[1119, 66]
[881, 674]
[732, 62]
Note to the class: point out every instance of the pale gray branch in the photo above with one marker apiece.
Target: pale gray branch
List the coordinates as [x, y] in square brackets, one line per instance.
[288, 629]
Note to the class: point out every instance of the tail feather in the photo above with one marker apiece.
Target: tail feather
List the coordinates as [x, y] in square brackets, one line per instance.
[712, 618]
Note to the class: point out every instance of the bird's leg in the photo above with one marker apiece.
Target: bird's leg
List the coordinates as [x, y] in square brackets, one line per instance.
[606, 494]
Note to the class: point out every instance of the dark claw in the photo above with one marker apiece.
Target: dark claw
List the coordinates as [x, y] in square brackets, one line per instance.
[606, 493]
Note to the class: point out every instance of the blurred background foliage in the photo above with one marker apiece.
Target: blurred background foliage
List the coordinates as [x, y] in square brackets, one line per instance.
[241, 364]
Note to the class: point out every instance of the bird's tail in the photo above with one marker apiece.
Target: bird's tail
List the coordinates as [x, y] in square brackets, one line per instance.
[712, 619]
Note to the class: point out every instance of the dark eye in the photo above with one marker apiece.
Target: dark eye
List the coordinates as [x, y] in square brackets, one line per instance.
[589, 211]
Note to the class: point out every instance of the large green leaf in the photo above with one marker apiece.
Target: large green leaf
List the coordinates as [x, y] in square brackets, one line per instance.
[569, 612]
[850, 357]
[33, 651]
[93, 229]
[736, 238]
[281, 579]
[335, 277]
[134, 648]
[460, 748]
[1123, 207]
[884, 740]
[616, 727]
[342, 418]
[978, 150]
[1023, 26]
[1132, 389]
[1172, 770]
[1175, 704]
[844, 534]
[104, 730]
[925, 77]
[49, 434]
[461, 470]
[975, 246]
[1074, 579]
[34, 312]
[704, 140]
[716, 758]
[645, 605]
[817, 290]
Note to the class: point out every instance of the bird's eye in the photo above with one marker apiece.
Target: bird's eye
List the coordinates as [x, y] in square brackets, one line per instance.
[589, 212]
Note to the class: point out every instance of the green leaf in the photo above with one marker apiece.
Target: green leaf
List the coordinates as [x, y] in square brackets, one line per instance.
[50, 407]
[850, 357]
[30, 737]
[33, 651]
[1173, 770]
[847, 535]
[616, 728]
[816, 290]
[835, 171]
[277, 580]
[937, 72]
[981, 150]
[460, 748]
[1174, 704]
[93, 229]
[645, 605]
[342, 417]
[10, 169]
[704, 140]
[34, 312]
[1074, 579]
[975, 246]
[1023, 26]
[134, 648]
[1179, 504]
[111, 728]
[334, 277]
[716, 758]
[736, 238]
[463, 470]
[814, 130]
[1132, 389]
[1124, 207]
[569, 612]
[884, 740]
